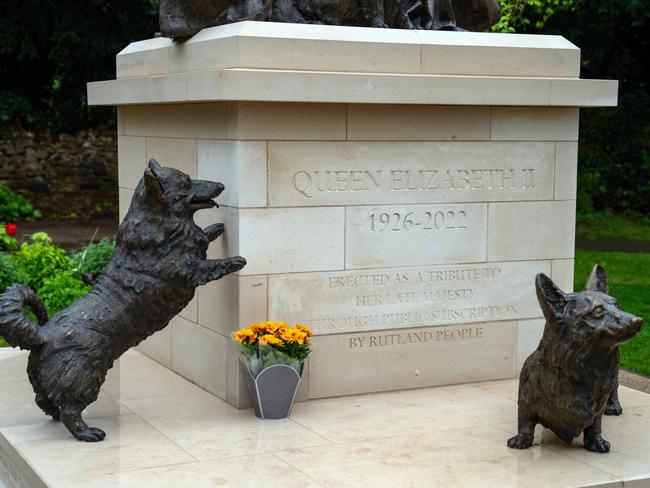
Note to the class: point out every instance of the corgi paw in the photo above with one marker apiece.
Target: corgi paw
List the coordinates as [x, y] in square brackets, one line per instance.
[614, 408]
[520, 441]
[597, 445]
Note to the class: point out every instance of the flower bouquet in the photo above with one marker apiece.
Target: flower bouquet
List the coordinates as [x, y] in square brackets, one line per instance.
[273, 354]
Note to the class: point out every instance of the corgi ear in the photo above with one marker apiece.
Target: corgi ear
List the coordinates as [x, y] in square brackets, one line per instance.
[550, 297]
[598, 280]
[152, 184]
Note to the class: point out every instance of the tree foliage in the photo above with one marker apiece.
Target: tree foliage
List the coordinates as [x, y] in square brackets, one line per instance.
[614, 160]
[50, 50]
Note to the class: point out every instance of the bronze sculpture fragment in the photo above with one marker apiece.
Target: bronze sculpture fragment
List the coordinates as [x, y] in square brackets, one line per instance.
[568, 382]
[160, 258]
[184, 18]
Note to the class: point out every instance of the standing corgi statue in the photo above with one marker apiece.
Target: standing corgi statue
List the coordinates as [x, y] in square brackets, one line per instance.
[160, 258]
[571, 380]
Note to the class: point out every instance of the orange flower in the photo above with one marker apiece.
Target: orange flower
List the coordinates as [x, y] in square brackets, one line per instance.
[245, 335]
[305, 329]
[294, 335]
[258, 328]
[271, 340]
[273, 327]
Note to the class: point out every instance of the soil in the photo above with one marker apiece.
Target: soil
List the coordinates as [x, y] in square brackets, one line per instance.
[71, 234]
[613, 245]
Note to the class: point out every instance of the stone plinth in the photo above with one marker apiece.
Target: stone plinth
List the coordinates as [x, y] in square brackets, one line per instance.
[165, 432]
[396, 190]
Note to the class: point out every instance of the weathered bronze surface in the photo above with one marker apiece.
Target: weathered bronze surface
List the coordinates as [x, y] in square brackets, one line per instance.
[184, 18]
[159, 260]
[572, 378]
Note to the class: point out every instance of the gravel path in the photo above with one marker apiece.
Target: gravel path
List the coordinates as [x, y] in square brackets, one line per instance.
[634, 380]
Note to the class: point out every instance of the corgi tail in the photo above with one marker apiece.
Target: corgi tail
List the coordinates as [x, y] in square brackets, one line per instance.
[15, 326]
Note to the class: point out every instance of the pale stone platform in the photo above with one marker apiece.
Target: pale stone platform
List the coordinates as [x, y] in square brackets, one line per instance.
[165, 432]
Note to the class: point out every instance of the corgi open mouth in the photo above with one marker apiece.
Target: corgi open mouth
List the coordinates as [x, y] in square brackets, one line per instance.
[203, 194]
[199, 203]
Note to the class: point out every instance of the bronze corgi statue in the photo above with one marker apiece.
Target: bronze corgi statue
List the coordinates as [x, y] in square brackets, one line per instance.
[184, 18]
[568, 382]
[159, 260]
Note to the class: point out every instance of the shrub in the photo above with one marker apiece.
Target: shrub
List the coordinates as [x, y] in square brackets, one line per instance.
[62, 290]
[9, 272]
[14, 207]
[94, 258]
[41, 259]
[8, 243]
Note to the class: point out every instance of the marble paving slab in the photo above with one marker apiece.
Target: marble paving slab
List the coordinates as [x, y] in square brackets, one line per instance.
[165, 432]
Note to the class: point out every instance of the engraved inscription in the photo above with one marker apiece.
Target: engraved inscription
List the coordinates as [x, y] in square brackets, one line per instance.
[429, 220]
[416, 337]
[403, 235]
[407, 297]
[310, 183]
[412, 357]
[367, 173]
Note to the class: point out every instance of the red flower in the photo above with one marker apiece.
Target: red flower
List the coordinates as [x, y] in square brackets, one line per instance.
[11, 229]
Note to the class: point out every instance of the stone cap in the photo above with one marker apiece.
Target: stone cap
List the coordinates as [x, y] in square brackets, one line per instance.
[271, 45]
[267, 61]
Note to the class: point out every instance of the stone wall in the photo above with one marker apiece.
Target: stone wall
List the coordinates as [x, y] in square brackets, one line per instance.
[64, 176]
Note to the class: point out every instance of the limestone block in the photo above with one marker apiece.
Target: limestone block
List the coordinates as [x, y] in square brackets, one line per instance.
[418, 123]
[498, 54]
[409, 358]
[146, 120]
[237, 392]
[198, 120]
[219, 305]
[531, 230]
[566, 170]
[291, 240]
[199, 355]
[232, 302]
[143, 58]
[562, 273]
[158, 346]
[286, 121]
[228, 243]
[358, 173]
[176, 153]
[534, 124]
[190, 312]
[587, 93]
[121, 128]
[132, 159]
[409, 235]
[220, 85]
[240, 166]
[124, 195]
[392, 298]
[268, 45]
[529, 333]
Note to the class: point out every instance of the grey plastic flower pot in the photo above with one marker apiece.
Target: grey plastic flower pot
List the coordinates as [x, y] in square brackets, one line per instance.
[274, 390]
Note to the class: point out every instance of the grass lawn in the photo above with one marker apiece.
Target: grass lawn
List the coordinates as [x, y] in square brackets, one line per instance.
[615, 227]
[629, 283]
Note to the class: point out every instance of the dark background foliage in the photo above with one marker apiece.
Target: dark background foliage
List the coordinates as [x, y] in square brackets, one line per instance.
[50, 49]
[614, 161]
